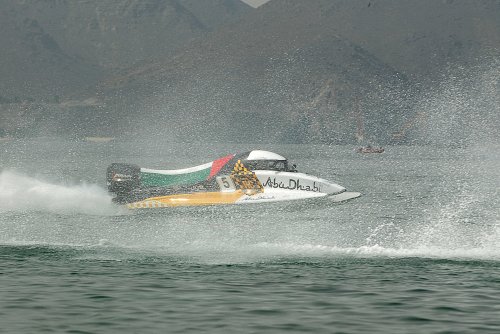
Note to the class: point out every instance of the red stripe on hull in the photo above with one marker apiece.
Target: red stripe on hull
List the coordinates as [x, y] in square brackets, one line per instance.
[218, 164]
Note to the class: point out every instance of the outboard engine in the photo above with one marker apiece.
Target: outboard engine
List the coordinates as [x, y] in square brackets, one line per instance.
[123, 178]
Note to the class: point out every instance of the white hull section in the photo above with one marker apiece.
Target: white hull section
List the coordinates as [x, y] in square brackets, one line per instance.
[286, 186]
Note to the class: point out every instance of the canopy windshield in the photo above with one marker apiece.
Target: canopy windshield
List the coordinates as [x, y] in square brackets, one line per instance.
[275, 165]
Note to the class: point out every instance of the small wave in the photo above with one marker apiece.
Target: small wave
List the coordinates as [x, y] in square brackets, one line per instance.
[270, 252]
[374, 251]
[21, 193]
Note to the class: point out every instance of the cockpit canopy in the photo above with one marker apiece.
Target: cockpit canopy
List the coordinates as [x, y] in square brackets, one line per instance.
[265, 160]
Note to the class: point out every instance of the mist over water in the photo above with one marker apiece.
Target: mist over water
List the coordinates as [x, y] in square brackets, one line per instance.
[439, 200]
[464, 108]
[417, 202]
[462, 111]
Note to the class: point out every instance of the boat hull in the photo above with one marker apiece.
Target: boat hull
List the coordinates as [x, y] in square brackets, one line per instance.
[276, 186]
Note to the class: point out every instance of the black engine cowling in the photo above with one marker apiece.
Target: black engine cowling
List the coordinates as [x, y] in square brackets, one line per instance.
[123, 178]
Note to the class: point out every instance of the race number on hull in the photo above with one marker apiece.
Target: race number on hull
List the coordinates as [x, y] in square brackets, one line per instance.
[225, 183]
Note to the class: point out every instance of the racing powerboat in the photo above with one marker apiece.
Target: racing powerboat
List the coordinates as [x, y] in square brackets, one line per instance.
[251, 177]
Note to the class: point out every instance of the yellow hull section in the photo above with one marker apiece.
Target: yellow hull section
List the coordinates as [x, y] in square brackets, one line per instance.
[193, 199]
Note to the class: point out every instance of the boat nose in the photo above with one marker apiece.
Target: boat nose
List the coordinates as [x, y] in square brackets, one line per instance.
[334, 188]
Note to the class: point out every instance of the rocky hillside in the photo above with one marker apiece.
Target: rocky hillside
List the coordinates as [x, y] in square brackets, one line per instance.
[293, 71]
[315, 71]
[52, 48]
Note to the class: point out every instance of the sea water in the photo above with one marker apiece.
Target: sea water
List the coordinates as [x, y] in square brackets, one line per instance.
[419, 252]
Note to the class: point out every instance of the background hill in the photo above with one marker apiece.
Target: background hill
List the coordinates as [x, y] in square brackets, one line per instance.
[60, 46]
[290, 71]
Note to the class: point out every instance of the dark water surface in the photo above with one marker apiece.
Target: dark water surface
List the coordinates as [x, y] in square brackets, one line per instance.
[418, 253]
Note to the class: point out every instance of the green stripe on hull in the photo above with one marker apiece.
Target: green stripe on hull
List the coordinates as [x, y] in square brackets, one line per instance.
[160, 180]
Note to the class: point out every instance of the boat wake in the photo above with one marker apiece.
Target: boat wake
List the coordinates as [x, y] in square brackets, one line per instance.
[265, 252]
[22, 193]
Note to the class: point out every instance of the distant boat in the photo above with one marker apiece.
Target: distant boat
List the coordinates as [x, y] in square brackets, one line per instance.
[370, 149]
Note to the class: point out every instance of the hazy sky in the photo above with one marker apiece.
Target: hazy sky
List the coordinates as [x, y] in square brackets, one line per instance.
[255, 3]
